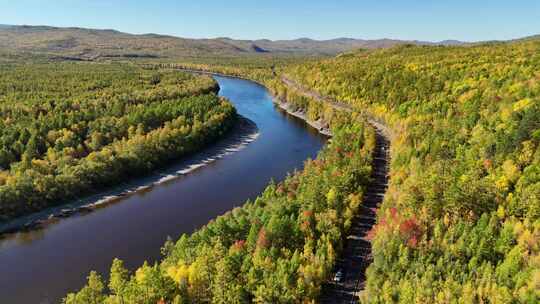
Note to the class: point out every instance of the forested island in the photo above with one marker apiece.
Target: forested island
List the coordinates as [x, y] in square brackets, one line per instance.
[68, 129]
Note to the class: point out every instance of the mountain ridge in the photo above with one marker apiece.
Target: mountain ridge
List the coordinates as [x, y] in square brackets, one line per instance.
[90, 44]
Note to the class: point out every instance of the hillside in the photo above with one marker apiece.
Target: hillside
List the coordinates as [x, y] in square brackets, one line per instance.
[460, 222]
[89, 44]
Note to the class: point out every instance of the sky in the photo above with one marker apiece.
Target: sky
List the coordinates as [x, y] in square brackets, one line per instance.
[431, 20]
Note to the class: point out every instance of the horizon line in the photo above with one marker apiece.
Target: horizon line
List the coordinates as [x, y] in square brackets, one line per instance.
[251, 39]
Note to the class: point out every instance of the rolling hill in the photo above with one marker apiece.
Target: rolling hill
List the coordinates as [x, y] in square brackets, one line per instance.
[90, 44]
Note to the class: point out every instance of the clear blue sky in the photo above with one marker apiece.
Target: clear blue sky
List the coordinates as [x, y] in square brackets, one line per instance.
[469, 20]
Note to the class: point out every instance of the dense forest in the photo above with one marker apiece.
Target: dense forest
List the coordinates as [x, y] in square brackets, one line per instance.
[461, 220]
[279, 248]
[459, 224]
[262, 69]
[67, 128]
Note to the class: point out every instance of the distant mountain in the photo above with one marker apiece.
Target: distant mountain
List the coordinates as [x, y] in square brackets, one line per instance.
[530, 37]
[450, 42]
[87, 44]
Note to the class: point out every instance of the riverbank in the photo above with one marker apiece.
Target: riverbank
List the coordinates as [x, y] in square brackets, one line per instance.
[378, 124]
[320, 125]
[243, 133]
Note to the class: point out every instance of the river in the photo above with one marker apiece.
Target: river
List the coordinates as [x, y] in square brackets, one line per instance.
[41, 266]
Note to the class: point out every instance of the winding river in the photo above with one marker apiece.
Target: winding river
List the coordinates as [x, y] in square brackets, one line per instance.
[43, 265]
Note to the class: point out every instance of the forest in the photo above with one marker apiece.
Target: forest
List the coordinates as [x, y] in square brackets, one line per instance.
[279, 248]
[262, 69]
[461, 220]
[68, 129]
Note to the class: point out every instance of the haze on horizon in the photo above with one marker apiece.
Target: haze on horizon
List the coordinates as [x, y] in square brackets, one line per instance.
[241, 19]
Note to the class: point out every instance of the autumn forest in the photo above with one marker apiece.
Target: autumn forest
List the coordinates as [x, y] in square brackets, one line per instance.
[453, 217]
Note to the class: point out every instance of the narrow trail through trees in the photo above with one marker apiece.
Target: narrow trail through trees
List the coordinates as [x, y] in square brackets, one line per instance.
[356, 254]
